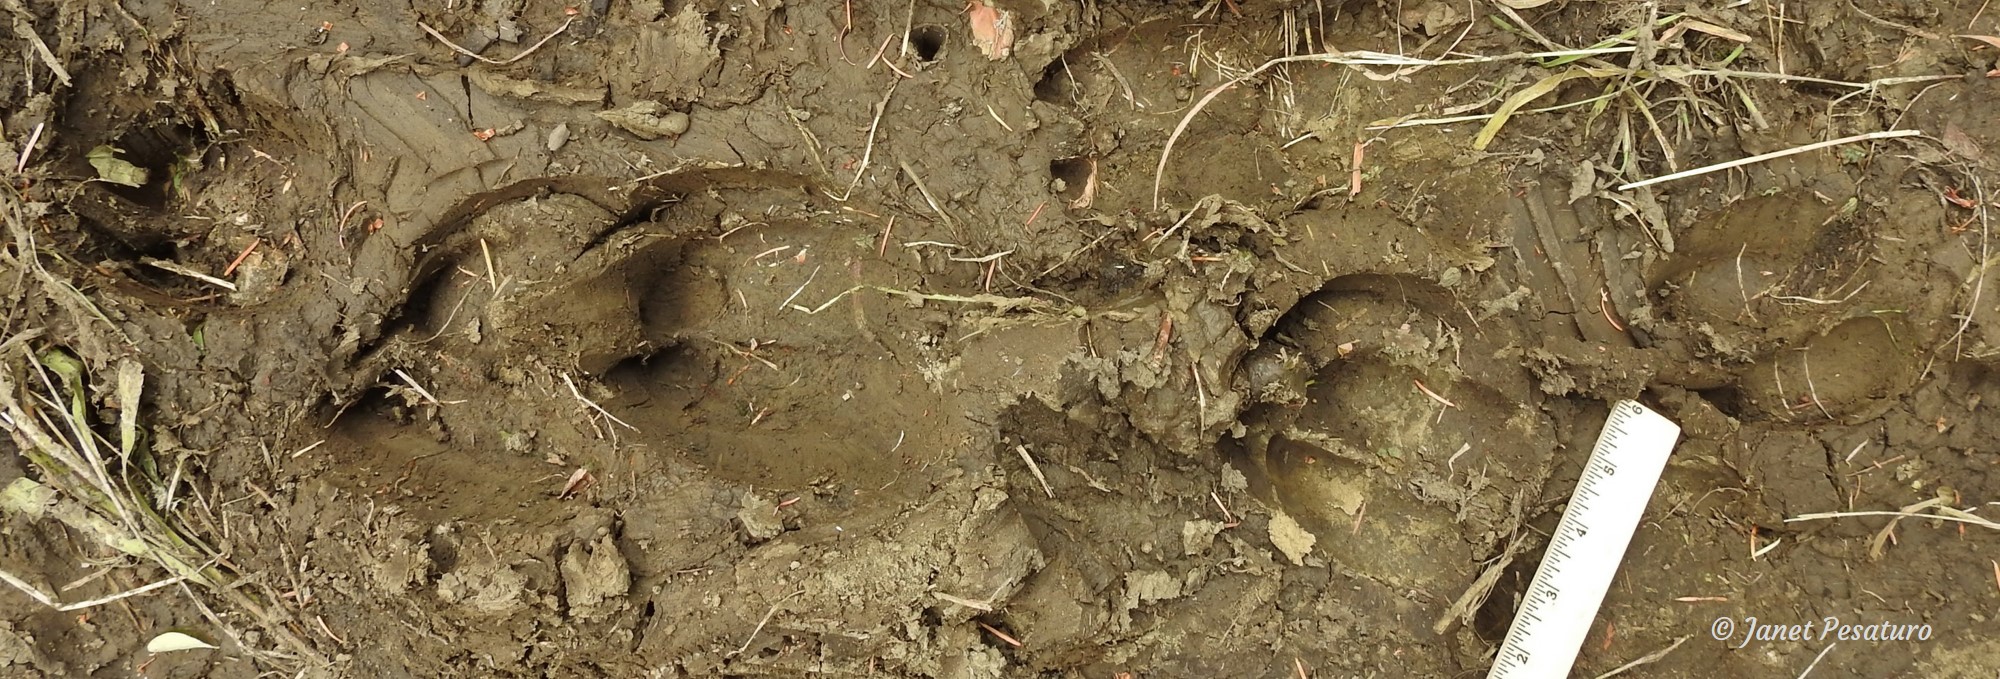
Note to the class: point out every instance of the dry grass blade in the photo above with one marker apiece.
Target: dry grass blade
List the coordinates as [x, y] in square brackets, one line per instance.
[1000, 303]
[1357, 59]
[1889, 134]
[497, 62]
[1528, 94]
[1037, 469]
[84, 493]
[190, 273]
[24, 26]
[1649, 658]
[1958, 516]
[50, 601]
[81, 478]
[761, 623]
[868, 151]
[593, 404]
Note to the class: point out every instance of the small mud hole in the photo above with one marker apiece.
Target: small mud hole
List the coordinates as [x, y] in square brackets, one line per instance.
[928, 41]
[1071, 176]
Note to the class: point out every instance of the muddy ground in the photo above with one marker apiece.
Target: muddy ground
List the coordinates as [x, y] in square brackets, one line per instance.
[855, 339]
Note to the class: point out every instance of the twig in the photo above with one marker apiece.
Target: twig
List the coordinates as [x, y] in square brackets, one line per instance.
[29, 150]
[968, 603]
[1761, 157]
[190, 273]
[23, 27]
[926, 192]
[1856, 451]
[254, 242]
[38, 595]
[1451, 462]
[1072, 256]
[1649, 658]
[761, 623]
[909, 21]
[1387, 124]
[998, 119]
[1979, 280]
[981, 260]
[878, 52]
[1817, 658]
[1742, 291]
[1468, 603]
[448, 318]
[751, 354]
[1037, 469]
[883, 248]
[1434, 395]
[309, 448]
[491, 278]
[421, 391]
[497, 62]
[1011, 641]
[1229, 519]
[1805, 364]
[1968, 518]
[1361, 58]
[802, 288]
[593, 404]
[868, 151]
[1200, 396]
[127, 593]
[328, 630]
[1000, 303]
[32, 591]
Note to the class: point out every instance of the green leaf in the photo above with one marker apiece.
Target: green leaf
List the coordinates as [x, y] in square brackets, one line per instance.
[116, 170]
[27, 497]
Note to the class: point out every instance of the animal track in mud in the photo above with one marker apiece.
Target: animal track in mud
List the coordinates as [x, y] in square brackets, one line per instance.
[1769, 284]
[140, 222]
[655, 306]
[1348, 442]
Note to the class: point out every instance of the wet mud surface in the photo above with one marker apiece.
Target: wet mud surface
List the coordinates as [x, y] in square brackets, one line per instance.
[855, 339]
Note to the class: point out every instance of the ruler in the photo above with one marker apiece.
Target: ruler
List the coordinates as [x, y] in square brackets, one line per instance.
[1584, 553]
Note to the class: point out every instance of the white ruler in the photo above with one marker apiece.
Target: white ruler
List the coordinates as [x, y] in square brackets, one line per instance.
[1584, 553]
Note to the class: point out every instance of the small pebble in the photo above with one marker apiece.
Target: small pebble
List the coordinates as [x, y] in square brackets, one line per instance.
[558, 137]
[674, 123]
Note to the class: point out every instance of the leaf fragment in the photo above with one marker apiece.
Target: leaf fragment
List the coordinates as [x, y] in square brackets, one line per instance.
[168, 642]
[116, 170]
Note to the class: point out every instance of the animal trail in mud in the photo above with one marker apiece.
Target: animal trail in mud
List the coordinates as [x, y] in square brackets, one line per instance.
[610, 382]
